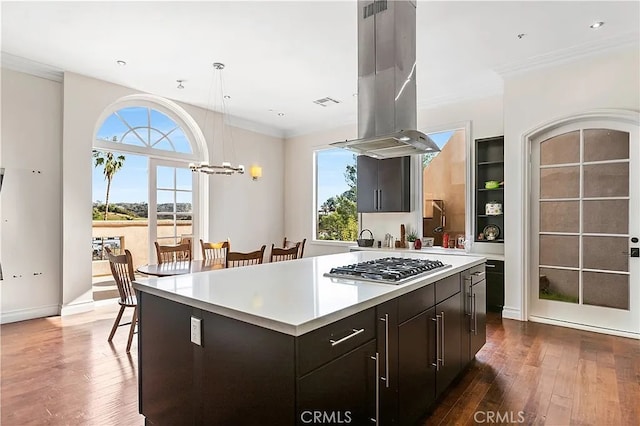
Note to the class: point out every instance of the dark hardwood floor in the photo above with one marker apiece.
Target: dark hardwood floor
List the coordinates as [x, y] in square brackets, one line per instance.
[539, 374]
[62, 371]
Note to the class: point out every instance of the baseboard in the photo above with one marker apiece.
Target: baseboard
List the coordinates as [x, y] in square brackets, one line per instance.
[584, 327]
[30, 313]
[512, 313]
[77, 308]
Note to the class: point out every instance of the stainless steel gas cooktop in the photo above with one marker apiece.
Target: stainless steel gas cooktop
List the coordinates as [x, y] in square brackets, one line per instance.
[388, 270]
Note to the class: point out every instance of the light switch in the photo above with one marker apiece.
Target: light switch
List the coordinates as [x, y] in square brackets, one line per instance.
[196, 331]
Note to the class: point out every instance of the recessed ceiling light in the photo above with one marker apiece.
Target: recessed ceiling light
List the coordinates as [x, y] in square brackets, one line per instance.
[121, 63]
[180, 86]
[227, 97]
[596, 25]
[521, 36]
[355, 95]
[281, 114]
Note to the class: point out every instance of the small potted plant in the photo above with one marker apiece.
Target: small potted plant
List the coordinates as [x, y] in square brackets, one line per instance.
[412, 236]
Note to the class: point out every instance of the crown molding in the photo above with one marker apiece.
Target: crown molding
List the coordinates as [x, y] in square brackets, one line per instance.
[27, 66]
[569, 54]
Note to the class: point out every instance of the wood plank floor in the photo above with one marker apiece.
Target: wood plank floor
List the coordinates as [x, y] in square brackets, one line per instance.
[62, 371]
[539, 374]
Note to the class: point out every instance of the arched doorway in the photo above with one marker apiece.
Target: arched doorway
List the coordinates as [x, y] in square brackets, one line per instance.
[584, 209]
[162, 136]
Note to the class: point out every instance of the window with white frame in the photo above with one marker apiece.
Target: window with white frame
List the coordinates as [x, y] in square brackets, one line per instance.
[144, 127]
[335, 203]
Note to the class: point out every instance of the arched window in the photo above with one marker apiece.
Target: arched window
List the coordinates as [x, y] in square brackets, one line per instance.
[142, 126]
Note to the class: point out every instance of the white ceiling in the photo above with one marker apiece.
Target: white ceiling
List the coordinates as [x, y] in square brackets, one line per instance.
[282, 55]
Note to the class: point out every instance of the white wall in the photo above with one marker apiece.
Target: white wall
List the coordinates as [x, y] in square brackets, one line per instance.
[609, 80]
[31, 208]
[46, 226]
[485, 116]
[249, 212]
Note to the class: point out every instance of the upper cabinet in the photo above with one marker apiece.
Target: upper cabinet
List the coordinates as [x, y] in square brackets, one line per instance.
[384, 185]
[489, 192]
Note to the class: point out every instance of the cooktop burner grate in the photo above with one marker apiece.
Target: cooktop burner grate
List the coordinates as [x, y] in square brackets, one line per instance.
[389, 270]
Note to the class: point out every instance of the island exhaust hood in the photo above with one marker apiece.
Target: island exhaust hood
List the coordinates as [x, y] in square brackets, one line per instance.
[387, 114]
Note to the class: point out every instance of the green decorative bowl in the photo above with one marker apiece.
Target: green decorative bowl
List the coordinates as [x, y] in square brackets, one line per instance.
[491, 184]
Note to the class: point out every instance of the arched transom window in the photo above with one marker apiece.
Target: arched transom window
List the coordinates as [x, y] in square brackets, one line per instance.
[145, 128]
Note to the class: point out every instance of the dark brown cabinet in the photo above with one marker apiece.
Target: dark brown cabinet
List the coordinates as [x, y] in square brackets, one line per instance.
[342, 391]
[387, 341]
[489, 167]
[417, 366]
[475, 312]
[448, 316]
[383, 185]
[495, 285]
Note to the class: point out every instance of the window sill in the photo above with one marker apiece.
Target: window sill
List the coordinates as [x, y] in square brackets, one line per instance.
[335, 243]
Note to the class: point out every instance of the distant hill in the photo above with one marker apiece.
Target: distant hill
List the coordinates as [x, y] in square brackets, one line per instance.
[133, 211]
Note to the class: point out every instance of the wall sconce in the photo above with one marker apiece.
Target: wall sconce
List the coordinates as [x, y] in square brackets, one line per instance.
[256, 172]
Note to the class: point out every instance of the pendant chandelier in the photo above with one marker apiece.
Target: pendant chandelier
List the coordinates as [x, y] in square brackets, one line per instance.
[224, 168]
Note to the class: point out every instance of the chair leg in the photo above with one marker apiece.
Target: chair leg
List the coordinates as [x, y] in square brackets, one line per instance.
[116, 323]
[134, 321]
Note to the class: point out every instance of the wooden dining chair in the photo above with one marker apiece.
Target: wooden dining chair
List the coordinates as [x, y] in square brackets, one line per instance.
[215, 251]
[288, 244]
[280, 254]
[235, 258]
[122, 271]
[173, 253]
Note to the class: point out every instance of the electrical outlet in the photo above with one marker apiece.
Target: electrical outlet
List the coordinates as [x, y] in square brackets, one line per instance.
[196, 331]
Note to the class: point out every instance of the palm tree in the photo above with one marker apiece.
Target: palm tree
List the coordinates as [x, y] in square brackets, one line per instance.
[110, 166]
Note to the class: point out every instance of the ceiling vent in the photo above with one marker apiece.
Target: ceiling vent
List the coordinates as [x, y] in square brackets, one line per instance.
[325, 102]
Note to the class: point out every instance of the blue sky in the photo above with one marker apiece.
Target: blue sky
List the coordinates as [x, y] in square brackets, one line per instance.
[129, 185]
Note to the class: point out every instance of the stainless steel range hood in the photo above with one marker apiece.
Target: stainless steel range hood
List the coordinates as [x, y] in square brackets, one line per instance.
[386, 82]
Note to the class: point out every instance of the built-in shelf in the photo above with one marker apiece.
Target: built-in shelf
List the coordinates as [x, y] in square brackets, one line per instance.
[489, 166]
[490, 215]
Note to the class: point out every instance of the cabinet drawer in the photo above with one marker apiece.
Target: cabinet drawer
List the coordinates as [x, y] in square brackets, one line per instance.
[447, 287]
[411, 304]
[477, 274]
[321, 346]
[495, 266]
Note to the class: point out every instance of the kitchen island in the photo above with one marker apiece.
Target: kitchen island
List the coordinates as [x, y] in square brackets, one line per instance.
[283, 344]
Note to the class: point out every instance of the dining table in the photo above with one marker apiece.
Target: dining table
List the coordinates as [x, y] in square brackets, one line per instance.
[181, 267]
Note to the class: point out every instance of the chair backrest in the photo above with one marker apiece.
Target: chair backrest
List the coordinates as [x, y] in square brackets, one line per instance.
[235, 259]
[175, 253]
[122, 271]
[215, 250]
[280, 254]
[288, 244]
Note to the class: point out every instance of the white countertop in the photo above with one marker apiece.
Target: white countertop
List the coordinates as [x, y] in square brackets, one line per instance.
[293, 297]
[432, 250]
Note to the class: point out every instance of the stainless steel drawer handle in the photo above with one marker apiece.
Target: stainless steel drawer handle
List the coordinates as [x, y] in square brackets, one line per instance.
[386, 349]
[479, 274]
[345, 338]
[489, 266]
[442, 338]
[376, 358]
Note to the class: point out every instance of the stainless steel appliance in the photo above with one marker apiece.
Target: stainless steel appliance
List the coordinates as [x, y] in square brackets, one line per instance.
[387, 270]
[387, 117]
